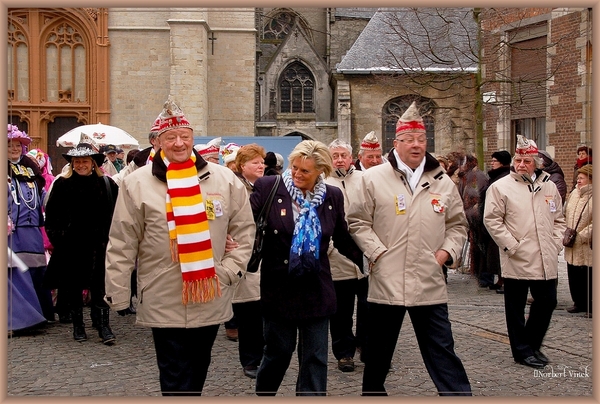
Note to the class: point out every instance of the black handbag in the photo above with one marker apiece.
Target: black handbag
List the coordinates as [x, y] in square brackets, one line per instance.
[261, 225]
[571, 234]
[569, 237]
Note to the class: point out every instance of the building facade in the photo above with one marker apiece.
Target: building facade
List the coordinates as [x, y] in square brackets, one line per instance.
[540, 83]
[320, 73]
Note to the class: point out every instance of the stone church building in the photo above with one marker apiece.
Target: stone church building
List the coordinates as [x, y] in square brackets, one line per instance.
[318, 73]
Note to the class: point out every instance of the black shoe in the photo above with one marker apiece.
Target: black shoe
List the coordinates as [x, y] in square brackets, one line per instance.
[346, 364]
[500, 291]
[250, 371]
[495, 286]
[541, 357]
[575, 309]
[104, 331]
[79, 333]
[531, 361]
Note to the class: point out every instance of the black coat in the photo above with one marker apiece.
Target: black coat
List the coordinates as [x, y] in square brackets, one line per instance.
[312, 295]
[486, 243]
[78, 217]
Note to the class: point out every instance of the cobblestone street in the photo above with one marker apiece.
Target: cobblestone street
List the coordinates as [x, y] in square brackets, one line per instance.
[50, 363]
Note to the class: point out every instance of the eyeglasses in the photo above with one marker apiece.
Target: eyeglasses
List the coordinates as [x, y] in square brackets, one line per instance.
[412, 140]
[495, 161]
[173, 138]
[524, 161]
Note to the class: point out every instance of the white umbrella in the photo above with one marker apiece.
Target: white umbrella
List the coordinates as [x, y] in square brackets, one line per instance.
[102, 135]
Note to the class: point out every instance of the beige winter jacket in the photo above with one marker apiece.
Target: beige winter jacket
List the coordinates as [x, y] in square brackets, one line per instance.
[525, 220]
[408, 274]
[248, 288]
[581, 253]
[341, 267]
[139, 230]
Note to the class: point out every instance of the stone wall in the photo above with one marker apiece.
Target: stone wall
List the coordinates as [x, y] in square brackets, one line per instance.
[156, 52]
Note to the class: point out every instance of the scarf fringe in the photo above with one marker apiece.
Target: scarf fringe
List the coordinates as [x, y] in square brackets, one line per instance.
[201, 291]
[174, 250]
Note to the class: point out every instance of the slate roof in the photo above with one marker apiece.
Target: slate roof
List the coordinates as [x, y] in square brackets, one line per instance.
[355, 12]
[414, 39]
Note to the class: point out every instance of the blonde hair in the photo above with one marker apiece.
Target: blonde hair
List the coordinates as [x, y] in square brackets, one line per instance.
[318, 151]
[248, 152]
[95, 168]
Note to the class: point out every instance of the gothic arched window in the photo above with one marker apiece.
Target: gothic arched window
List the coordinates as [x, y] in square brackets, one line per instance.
[296, 89]
[65, 65]
[393, 110]
[279, 26]
[18, 64]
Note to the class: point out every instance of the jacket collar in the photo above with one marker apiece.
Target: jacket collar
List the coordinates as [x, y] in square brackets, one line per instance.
[495, 173]
[541, 176]
[431, 163]
[338, 173]
[159, 169]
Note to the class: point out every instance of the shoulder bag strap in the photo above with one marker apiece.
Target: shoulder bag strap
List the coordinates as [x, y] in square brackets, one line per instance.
[108, 190]
[262, 217]
[581, 214]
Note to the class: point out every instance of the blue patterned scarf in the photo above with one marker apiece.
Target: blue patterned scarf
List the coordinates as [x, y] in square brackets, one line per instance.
[304, 254]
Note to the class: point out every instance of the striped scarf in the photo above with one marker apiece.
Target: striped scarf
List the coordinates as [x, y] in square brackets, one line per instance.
[189, 232]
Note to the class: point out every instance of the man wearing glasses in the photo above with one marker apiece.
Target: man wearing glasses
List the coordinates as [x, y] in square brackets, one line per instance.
[408, 219]
[523, 214]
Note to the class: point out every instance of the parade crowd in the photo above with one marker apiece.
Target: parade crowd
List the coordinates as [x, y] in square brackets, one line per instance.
[350, 247]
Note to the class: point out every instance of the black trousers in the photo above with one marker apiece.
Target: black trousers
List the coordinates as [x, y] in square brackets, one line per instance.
[183, 356]
[434, 335]
[343, 339]
[526, 336]
[580, 286]
[250, 332]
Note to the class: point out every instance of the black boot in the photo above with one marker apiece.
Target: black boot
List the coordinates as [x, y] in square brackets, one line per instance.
[78, 325]
[95, 316]
[104, 331]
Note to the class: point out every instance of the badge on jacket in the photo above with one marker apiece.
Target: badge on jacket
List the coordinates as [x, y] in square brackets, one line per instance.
[551, 204]
[438, 205]
[400, 202]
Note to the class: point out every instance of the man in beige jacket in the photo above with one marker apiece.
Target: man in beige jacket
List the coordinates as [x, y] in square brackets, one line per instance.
[523, 214]
[408, 219]
[349, 281]
[173, 215]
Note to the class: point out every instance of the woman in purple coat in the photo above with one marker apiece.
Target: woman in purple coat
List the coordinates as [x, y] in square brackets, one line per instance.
[297, 293]
[29, 304]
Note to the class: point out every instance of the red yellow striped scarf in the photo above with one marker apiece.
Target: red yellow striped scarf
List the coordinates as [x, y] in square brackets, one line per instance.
[189, 233]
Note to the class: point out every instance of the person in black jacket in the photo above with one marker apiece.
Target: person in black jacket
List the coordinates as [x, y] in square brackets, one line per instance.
[557, 175]
[500, 168]
[271, 164]
[78, 218]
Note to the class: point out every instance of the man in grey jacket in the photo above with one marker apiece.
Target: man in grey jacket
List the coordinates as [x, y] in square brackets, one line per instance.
[409, 221]
[523, 214]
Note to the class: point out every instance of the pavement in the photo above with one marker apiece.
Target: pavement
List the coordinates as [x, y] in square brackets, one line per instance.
[49, 363]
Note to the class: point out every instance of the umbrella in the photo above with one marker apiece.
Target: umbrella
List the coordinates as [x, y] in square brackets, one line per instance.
[102, 135]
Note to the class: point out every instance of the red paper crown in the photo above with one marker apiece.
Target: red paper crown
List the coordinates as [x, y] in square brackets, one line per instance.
[172, 117]
[410, 121]
[370, 142]
[526, 147]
